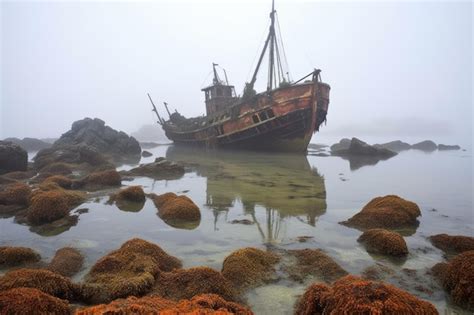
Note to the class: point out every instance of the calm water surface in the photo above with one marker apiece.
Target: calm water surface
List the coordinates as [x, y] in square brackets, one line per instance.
[286, 196]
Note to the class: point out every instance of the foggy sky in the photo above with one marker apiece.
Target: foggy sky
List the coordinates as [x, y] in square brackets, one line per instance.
[396, 70]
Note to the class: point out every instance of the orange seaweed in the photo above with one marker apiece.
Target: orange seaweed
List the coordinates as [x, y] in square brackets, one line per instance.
[31, 301]
[453, 243]
[131, 193]
[14, 256]
[15, 194]
[60, 180]
[67, 261]
[353, 295]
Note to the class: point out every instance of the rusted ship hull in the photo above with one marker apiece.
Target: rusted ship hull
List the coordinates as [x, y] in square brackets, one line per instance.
[283, 119]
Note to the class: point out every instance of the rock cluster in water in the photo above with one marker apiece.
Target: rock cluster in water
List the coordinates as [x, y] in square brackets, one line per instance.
[12, 157]
[30, 144]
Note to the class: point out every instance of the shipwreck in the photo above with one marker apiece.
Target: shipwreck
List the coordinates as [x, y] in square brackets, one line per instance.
[282, 118]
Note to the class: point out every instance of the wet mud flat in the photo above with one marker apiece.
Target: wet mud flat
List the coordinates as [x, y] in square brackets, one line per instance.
[272, 234]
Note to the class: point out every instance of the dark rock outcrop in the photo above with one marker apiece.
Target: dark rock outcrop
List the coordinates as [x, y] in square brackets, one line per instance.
[160, 169]
[360, 148]
[30, 144]
[94, 133]
[12, 158]
[395, 146]
[445, 147]
[427, 146]
[146, 153]
[343, 144]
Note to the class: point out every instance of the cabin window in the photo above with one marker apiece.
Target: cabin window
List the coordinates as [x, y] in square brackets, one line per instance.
[270, 113]
[255, 119]
[263, 116]
[219, 91]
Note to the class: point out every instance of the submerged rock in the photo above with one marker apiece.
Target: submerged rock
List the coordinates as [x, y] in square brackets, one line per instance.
[15, 256]
[146, 153]
[453, 244]
[44, 280]
[12, 158]
[350, 295]
[457, 278]
[426, 145]
[395, 146]
[388, 212]
[186, 283]
[445, 147]
[177, 210]
[130, 270]
[381, 241]
[316, 263]
[94, 133]
[160, 169]
[200, 304]
[67, 262]
[31, 301]
[343, 144]
[30, 144]
[249, 267]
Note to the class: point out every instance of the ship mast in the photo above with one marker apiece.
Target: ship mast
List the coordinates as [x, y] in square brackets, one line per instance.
[272, 42]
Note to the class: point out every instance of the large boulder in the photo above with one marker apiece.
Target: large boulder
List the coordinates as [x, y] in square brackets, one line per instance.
[94, 133]
[30, 144]
[426, 146]
[353, 295]
[12, 157]
[395, 146]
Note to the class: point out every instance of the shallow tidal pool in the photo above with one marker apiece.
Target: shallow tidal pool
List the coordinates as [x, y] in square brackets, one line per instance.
[284, 197]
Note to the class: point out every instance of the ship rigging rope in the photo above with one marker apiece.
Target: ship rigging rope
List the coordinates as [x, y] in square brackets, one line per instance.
[287, 67]
[207, 76]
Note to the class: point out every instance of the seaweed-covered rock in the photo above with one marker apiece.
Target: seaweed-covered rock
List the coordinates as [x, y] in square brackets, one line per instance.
[130, 199]
[30, 144]
[457, 278]
[353, 295]
[12, 158]
[445, 147]
[316, 263]
[160, 169]
[186, 283]
[67, 261]
[60, 180]
[14, 256]
[176, 210]
[130, 270]
[31, 301]
[20, 175]
[15, 194]
[94, 133]
[426, 145]
[388, 212]
[146, 153]
[131, 193]
[44, 280]
[249, 267]
[98, 180]
[73, 155]
[50, 205]
[381, 241]
[57, 168]
[201, 304]
[454, 244]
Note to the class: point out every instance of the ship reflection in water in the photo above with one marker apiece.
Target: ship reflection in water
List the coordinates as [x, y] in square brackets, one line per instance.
[284, 184]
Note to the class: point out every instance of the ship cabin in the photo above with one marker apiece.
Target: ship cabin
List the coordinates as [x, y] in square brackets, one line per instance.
[218, 96]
